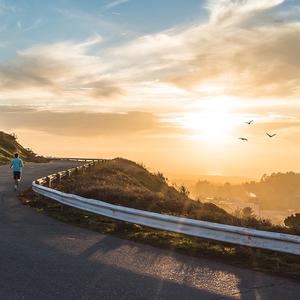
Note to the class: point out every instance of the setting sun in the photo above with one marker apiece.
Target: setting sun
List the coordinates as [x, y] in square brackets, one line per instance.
[213, 122]
[211, 126]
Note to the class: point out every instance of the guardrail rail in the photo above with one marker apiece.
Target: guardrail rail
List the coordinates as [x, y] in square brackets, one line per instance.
[220, 232]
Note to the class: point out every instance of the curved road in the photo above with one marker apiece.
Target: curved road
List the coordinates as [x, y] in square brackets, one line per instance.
[41, 258]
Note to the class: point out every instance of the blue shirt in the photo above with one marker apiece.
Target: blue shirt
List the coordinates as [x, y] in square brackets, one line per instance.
[17, 164]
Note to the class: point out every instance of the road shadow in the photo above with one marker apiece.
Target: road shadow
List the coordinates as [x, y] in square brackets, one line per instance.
[31, 268]
[104, 245]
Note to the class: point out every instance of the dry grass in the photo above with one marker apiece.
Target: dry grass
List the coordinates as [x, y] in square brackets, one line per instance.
[9, 145]
[125, 183]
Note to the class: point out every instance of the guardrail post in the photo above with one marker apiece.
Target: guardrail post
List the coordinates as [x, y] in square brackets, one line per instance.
[58, 176]
[49, 181]
[78, 169]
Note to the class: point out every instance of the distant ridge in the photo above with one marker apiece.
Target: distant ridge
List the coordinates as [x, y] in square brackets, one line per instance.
[9, 145]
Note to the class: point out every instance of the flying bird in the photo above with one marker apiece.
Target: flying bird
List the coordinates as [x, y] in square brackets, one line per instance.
[270, 135]
[250, 122]
[243, 139]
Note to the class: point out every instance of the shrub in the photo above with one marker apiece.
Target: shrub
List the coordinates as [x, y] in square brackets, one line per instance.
[293, 221]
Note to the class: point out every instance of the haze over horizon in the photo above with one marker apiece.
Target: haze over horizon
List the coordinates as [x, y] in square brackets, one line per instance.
[169, 83]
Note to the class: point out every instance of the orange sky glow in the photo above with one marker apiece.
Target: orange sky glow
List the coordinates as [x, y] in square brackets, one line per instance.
[177, 99]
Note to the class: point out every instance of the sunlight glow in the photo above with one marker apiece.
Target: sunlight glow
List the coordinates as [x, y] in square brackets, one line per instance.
[214, 122]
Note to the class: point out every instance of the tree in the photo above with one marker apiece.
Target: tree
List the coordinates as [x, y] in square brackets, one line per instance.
[237, 213]
[293, 221]
[184, 190]
[247, 213]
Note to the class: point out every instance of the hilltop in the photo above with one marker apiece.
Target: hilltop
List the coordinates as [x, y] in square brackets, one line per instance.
[9, 145]
[126, 183]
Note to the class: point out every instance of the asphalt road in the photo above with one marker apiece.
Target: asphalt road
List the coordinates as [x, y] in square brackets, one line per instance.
[41, 258]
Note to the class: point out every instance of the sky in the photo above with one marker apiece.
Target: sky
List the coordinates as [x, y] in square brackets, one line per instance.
[169, 83]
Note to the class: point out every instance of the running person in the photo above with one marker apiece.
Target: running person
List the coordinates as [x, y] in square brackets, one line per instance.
[17, 165]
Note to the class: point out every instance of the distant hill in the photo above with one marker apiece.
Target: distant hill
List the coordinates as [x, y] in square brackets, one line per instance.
[277, 191]
[189, 179]
[9, 146]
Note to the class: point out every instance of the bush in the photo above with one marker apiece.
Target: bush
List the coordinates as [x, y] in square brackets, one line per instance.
[293, 222]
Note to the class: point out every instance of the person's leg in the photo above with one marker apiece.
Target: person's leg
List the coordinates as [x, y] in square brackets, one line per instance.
[19, 179]
[16, 179]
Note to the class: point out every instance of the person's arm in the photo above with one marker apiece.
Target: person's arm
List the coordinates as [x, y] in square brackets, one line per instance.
[11, 164]
[21, 163]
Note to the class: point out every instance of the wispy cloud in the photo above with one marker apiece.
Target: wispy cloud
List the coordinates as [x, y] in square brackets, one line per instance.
[32, 26]
[78, 123]
[238, 49]
[60, 68]
[237, 53]
[4, 7]
[228, 12]
[115, 3]
[19, 24]
[97, 21]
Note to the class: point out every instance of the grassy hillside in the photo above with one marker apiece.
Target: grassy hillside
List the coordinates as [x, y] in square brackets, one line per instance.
[123, 182]
[9, 146]
[126, 183]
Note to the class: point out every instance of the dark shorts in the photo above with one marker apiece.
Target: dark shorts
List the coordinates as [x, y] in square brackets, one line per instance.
[17, 175]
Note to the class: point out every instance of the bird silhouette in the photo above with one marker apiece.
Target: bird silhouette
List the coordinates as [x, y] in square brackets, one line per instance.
[250, 122]
[243, 139]
[270, 135]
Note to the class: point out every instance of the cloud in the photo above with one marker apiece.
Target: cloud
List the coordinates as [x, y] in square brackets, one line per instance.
[102, 89]
[229, 12]
[238, 52]
[4, 7]
[115, 3]
[31, 72]
[34, 25]
[58, 69]
[78, 124]
[245, 65]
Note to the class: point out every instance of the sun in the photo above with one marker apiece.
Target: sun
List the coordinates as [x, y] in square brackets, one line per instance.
[213, 122]
[211, 126]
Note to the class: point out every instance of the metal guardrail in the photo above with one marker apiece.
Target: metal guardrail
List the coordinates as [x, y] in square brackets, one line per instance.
[67, 173]
[76, 159]
[220, 232]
